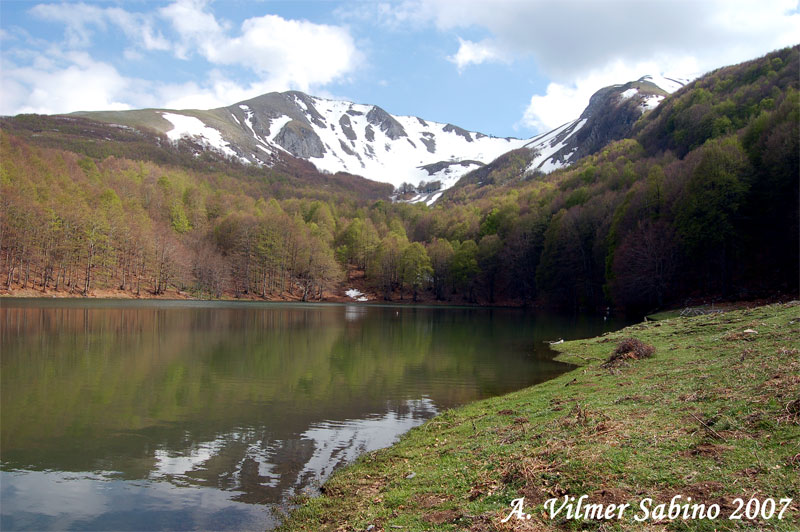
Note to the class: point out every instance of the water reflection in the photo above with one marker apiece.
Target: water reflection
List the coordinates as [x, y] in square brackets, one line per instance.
[55, 500]
[355, 312]
[136, 415]
[336, 443]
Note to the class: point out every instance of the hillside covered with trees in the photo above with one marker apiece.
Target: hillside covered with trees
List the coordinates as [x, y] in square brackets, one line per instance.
[701, 201]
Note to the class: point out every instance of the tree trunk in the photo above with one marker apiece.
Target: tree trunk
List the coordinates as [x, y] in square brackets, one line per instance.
[89, 258]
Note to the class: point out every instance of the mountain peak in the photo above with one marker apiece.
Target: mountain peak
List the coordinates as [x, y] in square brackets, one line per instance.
[367, 140]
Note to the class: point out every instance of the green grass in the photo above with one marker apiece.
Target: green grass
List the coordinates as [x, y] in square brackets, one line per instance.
[710, 416]
[685, 312]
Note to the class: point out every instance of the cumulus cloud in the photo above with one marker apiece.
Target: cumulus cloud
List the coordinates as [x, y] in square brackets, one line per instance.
[288, 53]
[263, 54]
[580, 45]
[572, 36]
[197, 28]
[62, 82]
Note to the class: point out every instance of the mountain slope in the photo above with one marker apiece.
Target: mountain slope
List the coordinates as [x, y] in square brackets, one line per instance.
[288, 177]
[333, 135]
[366, 140]
[610, 115]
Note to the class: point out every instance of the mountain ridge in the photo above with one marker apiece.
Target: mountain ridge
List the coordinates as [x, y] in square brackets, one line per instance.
[366, 140]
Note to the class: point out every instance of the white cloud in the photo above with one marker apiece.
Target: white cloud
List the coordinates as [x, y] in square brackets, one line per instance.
[62, 83]
[217, 91]
[80, 19]
[570, 37]
[475, 53]
[563, 102]
[283, 53]
[56, 82]
[581, 45]
[297, 53]
[264, 54]
[394, 15]
[197, 28]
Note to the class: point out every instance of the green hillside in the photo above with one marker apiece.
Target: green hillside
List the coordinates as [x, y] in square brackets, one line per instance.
[700, 203]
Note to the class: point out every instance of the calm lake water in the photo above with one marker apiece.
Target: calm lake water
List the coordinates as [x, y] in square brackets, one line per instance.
[159, 415]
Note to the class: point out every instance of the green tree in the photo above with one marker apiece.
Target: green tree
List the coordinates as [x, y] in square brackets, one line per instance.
[416, 267]
[489, 250]
[464, 267]
[441, 254]
[706, 213]
[385, 270]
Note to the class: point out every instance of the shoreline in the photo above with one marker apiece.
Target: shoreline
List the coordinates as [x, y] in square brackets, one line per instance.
[175, 295]
[245, 301]
[683, 422]
[700, 305]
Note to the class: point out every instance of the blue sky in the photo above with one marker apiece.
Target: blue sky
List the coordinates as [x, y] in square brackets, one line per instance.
[502, 67]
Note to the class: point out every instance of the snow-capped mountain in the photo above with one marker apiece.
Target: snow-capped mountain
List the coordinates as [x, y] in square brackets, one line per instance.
[610, 115]
[334, 135]
[366, 140]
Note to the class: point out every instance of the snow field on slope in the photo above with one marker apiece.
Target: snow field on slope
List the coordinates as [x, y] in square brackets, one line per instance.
[547, 146]
[189, 126]
[397, 161]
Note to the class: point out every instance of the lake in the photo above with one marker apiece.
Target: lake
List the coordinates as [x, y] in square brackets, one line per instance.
[184, 415]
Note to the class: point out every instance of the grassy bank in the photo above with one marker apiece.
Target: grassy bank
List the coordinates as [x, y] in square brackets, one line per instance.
[713, 415]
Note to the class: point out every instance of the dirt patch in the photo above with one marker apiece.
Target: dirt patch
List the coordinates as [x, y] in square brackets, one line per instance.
[608, 496]
[482, 523]
[706, 449]
[519, 525]
[703, 493]
[747, 335]
[482, 488]
[442, 517]
[367, 487]
[627, 398]
[431, 500]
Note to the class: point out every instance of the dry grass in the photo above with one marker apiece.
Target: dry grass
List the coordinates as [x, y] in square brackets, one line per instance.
[629, 349]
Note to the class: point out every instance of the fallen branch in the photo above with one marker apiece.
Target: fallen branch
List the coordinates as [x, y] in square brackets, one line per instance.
[712, 431]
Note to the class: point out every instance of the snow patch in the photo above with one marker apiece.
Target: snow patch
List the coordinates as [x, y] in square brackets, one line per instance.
[669, 84]
[300, 103]
[277, 124]
[628, 94]
[386, 160]
[547, 146]
[433, 199]
[356, 294]
[191, 127]
[651, 102]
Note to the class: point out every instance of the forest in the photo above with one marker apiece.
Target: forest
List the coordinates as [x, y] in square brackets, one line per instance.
[700, 202]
